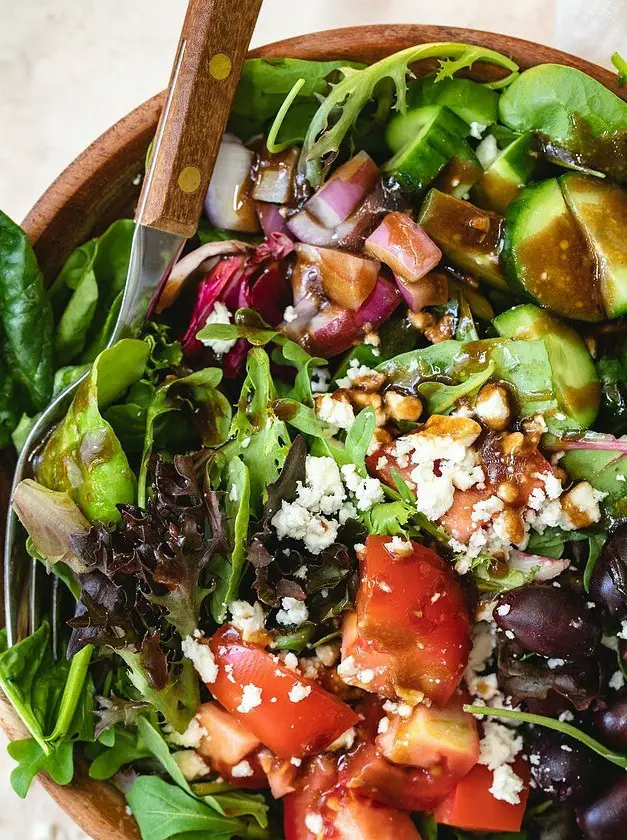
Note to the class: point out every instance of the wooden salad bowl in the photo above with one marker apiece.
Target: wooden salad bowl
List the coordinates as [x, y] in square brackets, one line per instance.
[102, 185]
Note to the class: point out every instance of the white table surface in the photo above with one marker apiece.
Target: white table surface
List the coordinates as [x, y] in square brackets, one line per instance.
[70, 68]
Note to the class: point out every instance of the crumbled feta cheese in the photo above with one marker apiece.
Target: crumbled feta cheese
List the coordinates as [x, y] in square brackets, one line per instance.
[290, 314]
[190, 739]
[314, 824]
[494, 409]
[248, 618]
[566, 748]
[486, 687]
[499, 745]
[484, 510]
[290, 660]
[347, 667]
[242, 770]
[507, 786]
[399, 547]
[367, 491]
[477, 129]
[581, 506]
[621, 477]
[335, 413]
[320, 379]
[191, 764]
[555, 663]
[293, 612]
[384, 725]
[503, 609]
[251, 698]
[622, 633]
[301, 573]
[202, 657]
[344, 742]
[233, 494]
[487, 151]
[355, 371]
[617, 681]
[298, 692]
[296, 761]
[328, 654]
[219, 315]
[366, 676]
[566, 716]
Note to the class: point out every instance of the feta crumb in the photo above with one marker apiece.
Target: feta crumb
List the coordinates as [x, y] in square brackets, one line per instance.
[622, 633]
[233, 494]
[399, 547]
[384, 725]
[344, 742]
[477, 129]
[313, 823]
[504, 609]
[355, 371]
[499, 745]
[506, 785]
[294, 612]
[621, 477]
[219, 315]
[301, 572]
[510, 634]
[617, 681]
[566, 748]
[191, 764]
[367, 491]
[290, 314]
[335, 413]
[566, 716]
[290, 660]
[190, 739]
[404, 710]
[251, 698]
[555, 663]
[248, 618]
[202, 657]
[328, 654]
[320, 379]
[347, 668]
[484, 510]
[296, 761]
[487, 151]
[242, 770]
[298, 692]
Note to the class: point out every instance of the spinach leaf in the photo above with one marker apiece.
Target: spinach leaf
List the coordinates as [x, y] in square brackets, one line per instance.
[578, 118]
[604, 469]
[128, 746]
[128, 418]
[83, 456]
[595, 547]
[229, 569]
[31, 760]
[26, 318]
[441, 398]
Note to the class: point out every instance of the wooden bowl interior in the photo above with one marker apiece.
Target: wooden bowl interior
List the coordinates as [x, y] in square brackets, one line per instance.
[102, 184]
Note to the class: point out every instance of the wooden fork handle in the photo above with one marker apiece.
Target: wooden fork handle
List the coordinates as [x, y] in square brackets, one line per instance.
[213, 45]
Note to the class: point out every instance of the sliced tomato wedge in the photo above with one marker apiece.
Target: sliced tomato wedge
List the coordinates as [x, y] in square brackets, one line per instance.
[471, 806]
[291, 715]
[360, 819]
[227, 741]
[282, 773]
[412, 633]
[319, 777]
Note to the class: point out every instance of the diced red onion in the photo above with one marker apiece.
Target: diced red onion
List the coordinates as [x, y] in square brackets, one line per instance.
[200, 259]
[607, 443]
[271, 219]
[228, 204]
[548, 567]
[276, 247]
[344, 191]
[275, 177]
[404, 246]
[379, 306]
[347, 279]
[332, 331]
[432, 290]
[306, 229]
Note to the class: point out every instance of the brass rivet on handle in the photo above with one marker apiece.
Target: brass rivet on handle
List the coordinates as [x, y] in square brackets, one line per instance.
[220, 66]
[189, 179]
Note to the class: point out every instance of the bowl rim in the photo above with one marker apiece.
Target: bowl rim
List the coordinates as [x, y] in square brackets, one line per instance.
[114, 159]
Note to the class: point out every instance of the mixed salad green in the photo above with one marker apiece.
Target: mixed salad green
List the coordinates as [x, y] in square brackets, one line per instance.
[340, 539]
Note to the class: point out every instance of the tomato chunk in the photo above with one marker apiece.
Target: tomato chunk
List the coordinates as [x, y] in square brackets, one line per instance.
[282, 773]
[360, 819]
[412, 634]
[227, 741]
[471, 806]
[291, 715]
[319, 778]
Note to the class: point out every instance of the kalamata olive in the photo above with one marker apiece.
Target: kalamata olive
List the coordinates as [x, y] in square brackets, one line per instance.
[605, 818]
[561, 767]
[611, 722]
[551, 621]
[608, 585]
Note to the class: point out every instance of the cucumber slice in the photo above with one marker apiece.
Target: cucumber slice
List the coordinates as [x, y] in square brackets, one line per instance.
[460, 173]
[575, 379]
[469, 237]
[471, 101]
[512, 169]
[420, 160]
[403, 128]
[546, 257]
[600, 210]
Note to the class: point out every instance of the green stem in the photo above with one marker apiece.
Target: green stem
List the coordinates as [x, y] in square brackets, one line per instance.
[71, 694]
[551, 723]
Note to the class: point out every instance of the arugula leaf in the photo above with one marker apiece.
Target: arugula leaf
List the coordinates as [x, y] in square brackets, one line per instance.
[229, 569]
[26, 318]
[341, 108]
[580, 120]
[440, 398]
[358, 439]
[82, 455]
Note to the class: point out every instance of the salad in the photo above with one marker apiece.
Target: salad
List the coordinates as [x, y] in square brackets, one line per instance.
[338, 545]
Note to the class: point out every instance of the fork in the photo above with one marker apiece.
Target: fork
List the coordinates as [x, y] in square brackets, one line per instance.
[213, 44]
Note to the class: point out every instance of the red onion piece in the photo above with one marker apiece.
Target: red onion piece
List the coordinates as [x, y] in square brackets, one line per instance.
[306, 229]
[271, 219]
[607, 443]
[274, 181]
[379, 306]
[271, 293]
[432, 290]
[347, 279]
[228, 204]
[332, 331]
[548, 567]
[404, 246]
[344, 191]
